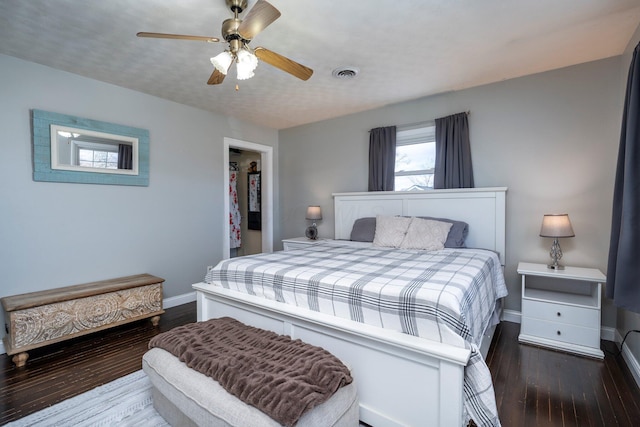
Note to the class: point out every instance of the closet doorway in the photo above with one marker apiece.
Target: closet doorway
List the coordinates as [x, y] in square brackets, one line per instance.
[250, 210]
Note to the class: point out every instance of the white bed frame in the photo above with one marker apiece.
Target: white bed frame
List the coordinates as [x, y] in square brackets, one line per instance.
[402, 380]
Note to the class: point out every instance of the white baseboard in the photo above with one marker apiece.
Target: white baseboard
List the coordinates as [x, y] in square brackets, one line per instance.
[607, 333]
[178, 300]
[629, 358]
[166, 303]
[511, 316]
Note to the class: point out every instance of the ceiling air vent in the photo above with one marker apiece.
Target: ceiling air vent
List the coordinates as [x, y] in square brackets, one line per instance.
[345, 72]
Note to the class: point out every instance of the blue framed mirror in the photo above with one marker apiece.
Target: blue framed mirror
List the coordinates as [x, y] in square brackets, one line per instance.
[73, 149]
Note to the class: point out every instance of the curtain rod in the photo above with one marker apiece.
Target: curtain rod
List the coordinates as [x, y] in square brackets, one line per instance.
[427, 121]
[406, 125]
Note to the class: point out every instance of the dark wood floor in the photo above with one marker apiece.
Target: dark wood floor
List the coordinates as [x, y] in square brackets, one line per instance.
[540, 387]
[534, 386]
[60, 371]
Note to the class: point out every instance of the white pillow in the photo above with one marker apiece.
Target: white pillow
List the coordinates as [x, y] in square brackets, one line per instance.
[426, 234]
[390, 230]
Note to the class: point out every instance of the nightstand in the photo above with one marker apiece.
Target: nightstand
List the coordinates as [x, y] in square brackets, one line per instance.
[298, 243]
[561, 308]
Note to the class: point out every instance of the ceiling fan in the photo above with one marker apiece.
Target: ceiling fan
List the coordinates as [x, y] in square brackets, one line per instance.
[238, 33]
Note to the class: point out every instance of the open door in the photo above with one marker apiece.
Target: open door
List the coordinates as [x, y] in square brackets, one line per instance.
[256, 204]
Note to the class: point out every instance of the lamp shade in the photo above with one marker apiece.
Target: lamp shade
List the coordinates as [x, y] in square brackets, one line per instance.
[246, 64]
[314, 212]
[556, 225]
[222, 61]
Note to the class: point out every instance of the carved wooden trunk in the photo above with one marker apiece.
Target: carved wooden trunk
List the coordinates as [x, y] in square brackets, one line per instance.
[37, 319]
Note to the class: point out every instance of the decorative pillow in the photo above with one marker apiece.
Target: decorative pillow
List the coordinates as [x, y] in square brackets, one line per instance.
[364, 229]
[457, 234]
[390, 230]
[426, 234]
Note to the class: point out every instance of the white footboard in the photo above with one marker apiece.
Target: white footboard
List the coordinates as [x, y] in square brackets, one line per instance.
[402, 380]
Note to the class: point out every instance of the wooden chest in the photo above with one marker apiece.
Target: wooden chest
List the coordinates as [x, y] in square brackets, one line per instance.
[37, 319]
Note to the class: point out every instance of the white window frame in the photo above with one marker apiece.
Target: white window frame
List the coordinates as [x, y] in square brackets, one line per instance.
[424, 133]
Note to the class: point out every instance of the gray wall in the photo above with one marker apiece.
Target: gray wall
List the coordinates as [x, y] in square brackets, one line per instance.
[58, 234]
[628, 320]
[551, 138]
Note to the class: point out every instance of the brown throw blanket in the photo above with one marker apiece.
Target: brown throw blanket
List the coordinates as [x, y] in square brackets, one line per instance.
[280, 376]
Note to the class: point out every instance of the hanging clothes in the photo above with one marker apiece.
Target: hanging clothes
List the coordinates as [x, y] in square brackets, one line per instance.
[234, 209]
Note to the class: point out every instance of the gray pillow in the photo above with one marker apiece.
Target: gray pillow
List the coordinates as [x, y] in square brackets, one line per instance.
[364, 230]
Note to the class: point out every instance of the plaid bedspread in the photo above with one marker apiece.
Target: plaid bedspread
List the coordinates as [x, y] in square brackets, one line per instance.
[447, 296]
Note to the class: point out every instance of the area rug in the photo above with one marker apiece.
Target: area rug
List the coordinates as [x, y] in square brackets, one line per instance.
[125, 402]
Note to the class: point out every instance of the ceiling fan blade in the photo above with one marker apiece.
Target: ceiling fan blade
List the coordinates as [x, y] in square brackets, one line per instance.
[284, 63]
[178, 36]
[261, 15]
[216, 77]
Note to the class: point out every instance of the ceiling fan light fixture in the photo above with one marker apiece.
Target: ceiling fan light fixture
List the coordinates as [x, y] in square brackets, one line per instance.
[222, 61]
[246, 64]
[244, 74]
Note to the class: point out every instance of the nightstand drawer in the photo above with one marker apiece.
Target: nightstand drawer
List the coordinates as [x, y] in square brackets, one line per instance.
[560, 313]
[561, 332]
[291, 246]
[298, 243]
[295, 245]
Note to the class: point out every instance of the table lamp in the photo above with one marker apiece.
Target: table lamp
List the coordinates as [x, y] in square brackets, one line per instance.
[314, 213]
[556, 226]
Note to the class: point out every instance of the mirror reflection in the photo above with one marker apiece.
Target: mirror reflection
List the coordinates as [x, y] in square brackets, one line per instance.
[85, 150]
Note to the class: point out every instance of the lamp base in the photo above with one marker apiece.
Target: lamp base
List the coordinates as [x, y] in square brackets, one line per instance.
[556, 254]
[311, 232]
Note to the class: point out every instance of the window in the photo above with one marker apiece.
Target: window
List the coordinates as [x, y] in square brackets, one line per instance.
[415, 158]
[98, 158]
[94, 155]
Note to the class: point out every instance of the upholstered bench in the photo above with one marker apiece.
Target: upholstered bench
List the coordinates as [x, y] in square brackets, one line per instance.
[184, 397]
[187, 397]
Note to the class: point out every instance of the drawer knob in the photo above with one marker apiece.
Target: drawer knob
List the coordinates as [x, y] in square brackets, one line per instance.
[559, 314]
[559, 333]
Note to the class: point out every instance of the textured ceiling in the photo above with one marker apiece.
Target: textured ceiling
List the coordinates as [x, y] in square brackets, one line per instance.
[404, 49]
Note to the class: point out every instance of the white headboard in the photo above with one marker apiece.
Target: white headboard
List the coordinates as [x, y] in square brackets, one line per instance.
[482, 208]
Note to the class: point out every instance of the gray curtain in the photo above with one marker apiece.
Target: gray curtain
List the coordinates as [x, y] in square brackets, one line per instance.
[453, 153]
[623, 271]
[382, 158]
[125, 156]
